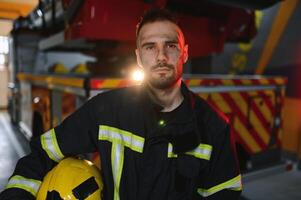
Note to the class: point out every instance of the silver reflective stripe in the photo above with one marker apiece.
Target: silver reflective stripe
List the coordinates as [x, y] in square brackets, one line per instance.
[30, 185]
[232, 184]
[203, 151]
[117, 158]
[120, 139]
[170, 153]
[50, 145]
[126, 138]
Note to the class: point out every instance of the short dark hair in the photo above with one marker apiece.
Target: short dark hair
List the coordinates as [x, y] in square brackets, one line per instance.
[154, 15]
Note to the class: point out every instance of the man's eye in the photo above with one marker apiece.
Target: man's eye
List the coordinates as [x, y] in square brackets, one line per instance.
[171, 46]
[149, 47]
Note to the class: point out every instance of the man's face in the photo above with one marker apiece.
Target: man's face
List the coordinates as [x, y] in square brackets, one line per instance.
[161, 52]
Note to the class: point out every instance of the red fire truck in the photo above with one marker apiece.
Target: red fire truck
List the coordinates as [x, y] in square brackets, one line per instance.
[92, 48]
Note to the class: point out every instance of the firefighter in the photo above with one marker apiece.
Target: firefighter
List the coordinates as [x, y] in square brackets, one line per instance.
[156, 141]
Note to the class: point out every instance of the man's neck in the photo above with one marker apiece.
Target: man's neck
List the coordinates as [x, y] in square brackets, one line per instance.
[169, 98]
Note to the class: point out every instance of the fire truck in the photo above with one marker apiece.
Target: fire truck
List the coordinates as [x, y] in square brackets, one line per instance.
[68, 51]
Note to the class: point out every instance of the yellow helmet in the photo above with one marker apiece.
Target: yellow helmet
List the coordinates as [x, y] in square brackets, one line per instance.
[72, 179]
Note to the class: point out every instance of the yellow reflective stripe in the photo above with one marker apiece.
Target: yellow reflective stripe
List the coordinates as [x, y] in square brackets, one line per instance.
[120, 139]
[126, 138]
[30, 185]
[170, 153]
[50, 145]
[117, 158]
[232, 184]
[203, 151]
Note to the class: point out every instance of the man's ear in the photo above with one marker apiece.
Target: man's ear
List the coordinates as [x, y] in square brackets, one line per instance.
[185, 53]
[138, 58]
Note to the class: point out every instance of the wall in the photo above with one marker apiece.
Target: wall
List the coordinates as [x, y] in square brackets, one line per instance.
[3, 86]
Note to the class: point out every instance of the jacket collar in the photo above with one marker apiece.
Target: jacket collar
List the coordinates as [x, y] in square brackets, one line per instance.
[182, 131]
[150, 105]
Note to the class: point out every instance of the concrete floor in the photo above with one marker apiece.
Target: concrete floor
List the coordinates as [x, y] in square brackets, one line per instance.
[279, 186]
[13, 146]
[282, 186]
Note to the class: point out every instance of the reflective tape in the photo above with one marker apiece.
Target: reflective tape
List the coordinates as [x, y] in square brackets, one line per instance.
[126, 138]
[232, 184]
[30, 185]
[203, 151]
[170, 152]
[50, 145]
[120, 139]
[117, 158]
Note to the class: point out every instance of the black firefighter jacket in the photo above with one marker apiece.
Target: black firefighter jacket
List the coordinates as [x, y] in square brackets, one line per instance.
[144, 155]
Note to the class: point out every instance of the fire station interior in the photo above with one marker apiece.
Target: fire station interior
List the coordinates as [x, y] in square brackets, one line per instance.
[244, 59]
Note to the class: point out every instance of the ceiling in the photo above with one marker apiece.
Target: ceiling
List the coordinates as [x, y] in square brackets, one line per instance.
[248, 4]
[12, 9]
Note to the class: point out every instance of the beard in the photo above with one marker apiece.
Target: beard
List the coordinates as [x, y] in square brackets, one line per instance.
[164, 81]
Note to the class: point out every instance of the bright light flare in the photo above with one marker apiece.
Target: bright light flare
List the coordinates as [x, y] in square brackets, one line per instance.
[2, 59]
[36, 100]
[138, 75]
[39, 13]
[4, 46]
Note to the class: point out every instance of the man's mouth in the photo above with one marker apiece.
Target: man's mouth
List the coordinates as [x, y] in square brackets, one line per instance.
[161, 69]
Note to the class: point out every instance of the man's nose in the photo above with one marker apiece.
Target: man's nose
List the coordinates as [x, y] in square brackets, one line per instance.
[162, 55]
